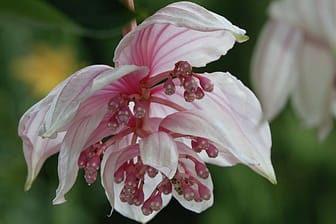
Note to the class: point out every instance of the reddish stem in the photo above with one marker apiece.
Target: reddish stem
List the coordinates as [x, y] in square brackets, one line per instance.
[133, 23]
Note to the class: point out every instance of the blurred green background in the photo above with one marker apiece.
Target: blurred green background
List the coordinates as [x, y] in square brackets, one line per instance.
[41, 42]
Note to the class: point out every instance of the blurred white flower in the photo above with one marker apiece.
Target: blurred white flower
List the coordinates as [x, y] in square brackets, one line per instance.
[295, 57]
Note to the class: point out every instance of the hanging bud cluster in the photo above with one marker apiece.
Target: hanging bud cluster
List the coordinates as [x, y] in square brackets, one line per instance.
[199, 144]
[194, 85]
[121, 112]
[89, 160]
[188, 185]
[132, 175]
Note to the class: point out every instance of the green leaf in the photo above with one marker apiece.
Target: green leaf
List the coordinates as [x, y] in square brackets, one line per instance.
[35, 13]
[100, 18]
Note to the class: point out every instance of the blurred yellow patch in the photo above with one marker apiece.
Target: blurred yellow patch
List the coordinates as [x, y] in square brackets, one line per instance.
[44, 67]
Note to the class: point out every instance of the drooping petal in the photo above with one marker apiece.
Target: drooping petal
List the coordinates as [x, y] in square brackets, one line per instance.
[179, 31]
[134, 212]
[272, 71]
[312, 97]
[79, 87]
[192, 205]
[109, 165]
[36, 149]
[74, 142]
[112, 160]
[159, 151]
[230, 118]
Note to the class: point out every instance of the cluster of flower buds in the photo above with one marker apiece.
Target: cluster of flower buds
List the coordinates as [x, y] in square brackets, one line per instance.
[198, 144]
[89, 160]
[194, 84]
[132, 175]
[121, 112]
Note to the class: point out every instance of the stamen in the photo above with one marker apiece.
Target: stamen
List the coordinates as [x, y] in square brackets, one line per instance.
[167, 103]
[119, 175]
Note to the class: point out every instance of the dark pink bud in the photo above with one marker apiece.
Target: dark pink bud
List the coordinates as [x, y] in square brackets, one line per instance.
[190, 85]
[182, 68]
[188, 193]
[152, 172]
[189, 97]
[204, 191]
[94, 162]
[90, 175]
[123, 116]
[139, 110]
[114, 103]
[156, 202]
[199, 93]
[82, 159]
[206, 84]
[113, 124]
[201, 170]
[119, 175]
[169, 87]
[212, 151]
[146, 209]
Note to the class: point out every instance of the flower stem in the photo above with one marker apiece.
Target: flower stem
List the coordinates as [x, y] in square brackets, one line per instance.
[133, 24]
[167, 103]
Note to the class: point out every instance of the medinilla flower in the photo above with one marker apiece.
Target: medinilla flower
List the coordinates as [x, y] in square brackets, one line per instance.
[295, 57]
[151, 123]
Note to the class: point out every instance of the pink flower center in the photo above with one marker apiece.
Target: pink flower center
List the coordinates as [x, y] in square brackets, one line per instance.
[129, 114]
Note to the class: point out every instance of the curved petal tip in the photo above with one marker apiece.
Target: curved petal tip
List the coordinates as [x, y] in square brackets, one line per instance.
[58, 200]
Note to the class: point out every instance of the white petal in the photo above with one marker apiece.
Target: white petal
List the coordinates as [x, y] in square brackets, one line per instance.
[192, 205]
[77, 88]
[180, 31]
[36, 149]
[159, 151]
[110, 163]
[230, 118]
[317, 18]
[272, 70]
[74, 142]
[312, 98]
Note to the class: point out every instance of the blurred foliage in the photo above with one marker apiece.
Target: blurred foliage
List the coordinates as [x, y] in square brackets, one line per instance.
[305, 167]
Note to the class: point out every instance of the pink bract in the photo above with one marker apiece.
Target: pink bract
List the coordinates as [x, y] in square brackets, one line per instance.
[151, 124]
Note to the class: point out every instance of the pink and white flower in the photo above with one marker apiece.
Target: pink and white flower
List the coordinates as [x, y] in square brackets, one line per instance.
[150, 124]
[295, 57]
